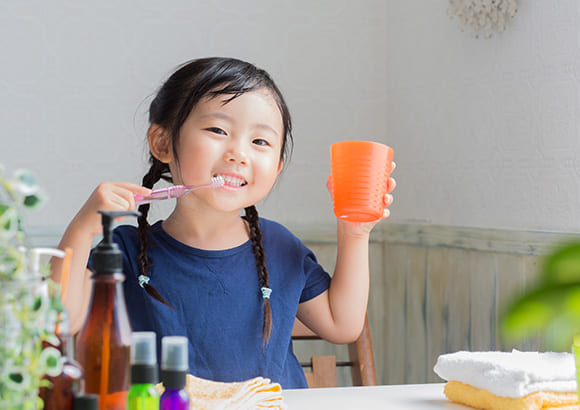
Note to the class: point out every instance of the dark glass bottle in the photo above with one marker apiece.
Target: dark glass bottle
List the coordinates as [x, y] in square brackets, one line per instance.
[104, 342]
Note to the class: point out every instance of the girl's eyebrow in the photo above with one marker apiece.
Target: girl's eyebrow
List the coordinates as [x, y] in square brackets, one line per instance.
[266, 128]
[227, 117]
[218, 115]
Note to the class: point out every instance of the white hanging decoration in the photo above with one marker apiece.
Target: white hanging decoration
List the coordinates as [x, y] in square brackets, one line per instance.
[482, 15]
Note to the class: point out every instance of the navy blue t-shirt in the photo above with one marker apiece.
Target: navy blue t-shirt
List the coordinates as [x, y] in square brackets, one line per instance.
[218, 303]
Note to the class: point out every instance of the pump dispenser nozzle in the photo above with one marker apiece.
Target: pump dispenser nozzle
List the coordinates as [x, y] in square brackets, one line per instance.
[107, 218]
[36, 253]
[107, 258]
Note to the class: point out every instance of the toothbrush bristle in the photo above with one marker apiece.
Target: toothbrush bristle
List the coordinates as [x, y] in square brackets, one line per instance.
[217, 181]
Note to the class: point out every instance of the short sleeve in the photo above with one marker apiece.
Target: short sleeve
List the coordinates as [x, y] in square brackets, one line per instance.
[317, 279]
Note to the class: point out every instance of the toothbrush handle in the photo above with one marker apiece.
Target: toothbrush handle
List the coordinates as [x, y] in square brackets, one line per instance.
[174, 191]
[160, 195]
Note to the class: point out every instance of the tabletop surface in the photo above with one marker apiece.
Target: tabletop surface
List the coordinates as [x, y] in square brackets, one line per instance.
[407, 396]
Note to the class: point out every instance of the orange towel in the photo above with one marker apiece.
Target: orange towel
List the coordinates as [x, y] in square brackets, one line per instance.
[257, 393]
[483, 399]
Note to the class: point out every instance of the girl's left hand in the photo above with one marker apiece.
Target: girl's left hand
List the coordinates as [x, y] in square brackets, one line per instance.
[366, 227]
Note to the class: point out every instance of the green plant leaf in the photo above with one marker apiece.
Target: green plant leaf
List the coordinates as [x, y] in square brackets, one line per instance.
[16, 378]
[37, 304]
[562, 266]
[51, 359]
[18, 381]
[32, 201]
[553, 310]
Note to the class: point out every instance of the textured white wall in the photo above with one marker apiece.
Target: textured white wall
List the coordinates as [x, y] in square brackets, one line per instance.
[485, 131]
[74, 82]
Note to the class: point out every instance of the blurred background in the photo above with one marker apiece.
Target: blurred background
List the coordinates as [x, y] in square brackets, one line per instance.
[485, 133]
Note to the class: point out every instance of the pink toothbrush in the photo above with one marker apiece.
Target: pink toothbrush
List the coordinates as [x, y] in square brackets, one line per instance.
[176, 191]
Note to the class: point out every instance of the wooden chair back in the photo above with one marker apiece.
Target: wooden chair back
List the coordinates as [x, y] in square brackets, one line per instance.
[323, 368]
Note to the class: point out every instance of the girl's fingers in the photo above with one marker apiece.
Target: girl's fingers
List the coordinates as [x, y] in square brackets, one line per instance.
[124, 202]
[119, 195]
[134, 188]
[329, 183]
[391, 184]
[388, 200]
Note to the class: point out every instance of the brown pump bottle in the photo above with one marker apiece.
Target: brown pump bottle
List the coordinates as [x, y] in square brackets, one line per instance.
[104, 342]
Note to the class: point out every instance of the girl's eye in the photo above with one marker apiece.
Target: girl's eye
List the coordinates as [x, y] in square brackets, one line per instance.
[216, 130]
[261, 142]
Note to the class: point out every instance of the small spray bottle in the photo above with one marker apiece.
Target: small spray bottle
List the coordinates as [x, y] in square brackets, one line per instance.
[104, 342]
[143, 395]
[174, 365]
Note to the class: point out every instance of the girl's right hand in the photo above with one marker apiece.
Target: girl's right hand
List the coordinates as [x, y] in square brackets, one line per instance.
[108, 196]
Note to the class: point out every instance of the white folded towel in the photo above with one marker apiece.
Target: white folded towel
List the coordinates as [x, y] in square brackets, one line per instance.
[506, 374]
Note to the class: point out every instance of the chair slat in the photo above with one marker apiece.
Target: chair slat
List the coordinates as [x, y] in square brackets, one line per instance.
[361, 360]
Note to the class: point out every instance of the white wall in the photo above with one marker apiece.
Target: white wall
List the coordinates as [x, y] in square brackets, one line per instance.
[485, 131]
[74, 83]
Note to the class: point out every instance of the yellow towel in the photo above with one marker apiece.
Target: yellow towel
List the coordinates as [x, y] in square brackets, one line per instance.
[483, 399]
[257, 393]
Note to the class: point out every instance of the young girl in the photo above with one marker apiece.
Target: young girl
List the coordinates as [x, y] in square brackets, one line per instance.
[231, 284]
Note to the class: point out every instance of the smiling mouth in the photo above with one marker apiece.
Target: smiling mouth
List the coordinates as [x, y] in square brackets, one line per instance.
[233, 181]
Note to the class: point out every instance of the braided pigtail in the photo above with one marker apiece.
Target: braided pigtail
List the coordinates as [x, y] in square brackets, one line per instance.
[156, 172]
[256, 238]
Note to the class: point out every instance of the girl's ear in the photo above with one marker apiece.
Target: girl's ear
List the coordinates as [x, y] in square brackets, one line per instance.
[160, 143]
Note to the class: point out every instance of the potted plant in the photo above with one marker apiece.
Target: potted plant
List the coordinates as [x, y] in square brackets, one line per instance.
[28, 302]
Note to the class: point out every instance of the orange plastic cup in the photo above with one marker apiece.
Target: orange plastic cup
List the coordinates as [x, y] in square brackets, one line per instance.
[359, 171]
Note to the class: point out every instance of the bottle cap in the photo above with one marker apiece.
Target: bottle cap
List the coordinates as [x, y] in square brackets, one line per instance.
[144, 348]
[107, 258]
[86, 402]
[174, 353]
[144, 358]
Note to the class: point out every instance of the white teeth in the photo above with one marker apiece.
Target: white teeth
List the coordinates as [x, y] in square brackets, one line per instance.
[233, 181]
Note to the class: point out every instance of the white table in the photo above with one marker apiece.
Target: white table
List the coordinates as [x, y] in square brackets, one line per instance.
[407, 396]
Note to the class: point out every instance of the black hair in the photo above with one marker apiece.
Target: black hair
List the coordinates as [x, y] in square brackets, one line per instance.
[170, 108]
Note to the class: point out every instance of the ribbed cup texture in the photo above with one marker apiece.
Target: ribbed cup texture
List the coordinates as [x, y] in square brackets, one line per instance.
[360, 171]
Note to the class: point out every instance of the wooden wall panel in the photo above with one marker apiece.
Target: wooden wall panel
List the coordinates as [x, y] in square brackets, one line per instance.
[510, 283]
[482, 269]
[415, 314]
[390, 363]
[437, 290]
[378, 309]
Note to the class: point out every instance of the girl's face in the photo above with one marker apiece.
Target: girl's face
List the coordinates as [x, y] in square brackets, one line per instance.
[240, 141]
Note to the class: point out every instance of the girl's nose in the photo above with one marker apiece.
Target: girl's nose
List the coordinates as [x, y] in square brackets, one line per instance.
[236, 155]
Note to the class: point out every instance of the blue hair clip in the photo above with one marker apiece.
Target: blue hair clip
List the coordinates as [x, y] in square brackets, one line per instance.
[143, 280]
[266, 292]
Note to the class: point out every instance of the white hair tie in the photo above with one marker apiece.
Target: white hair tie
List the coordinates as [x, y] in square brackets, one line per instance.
[143, 280]
[266, 292]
